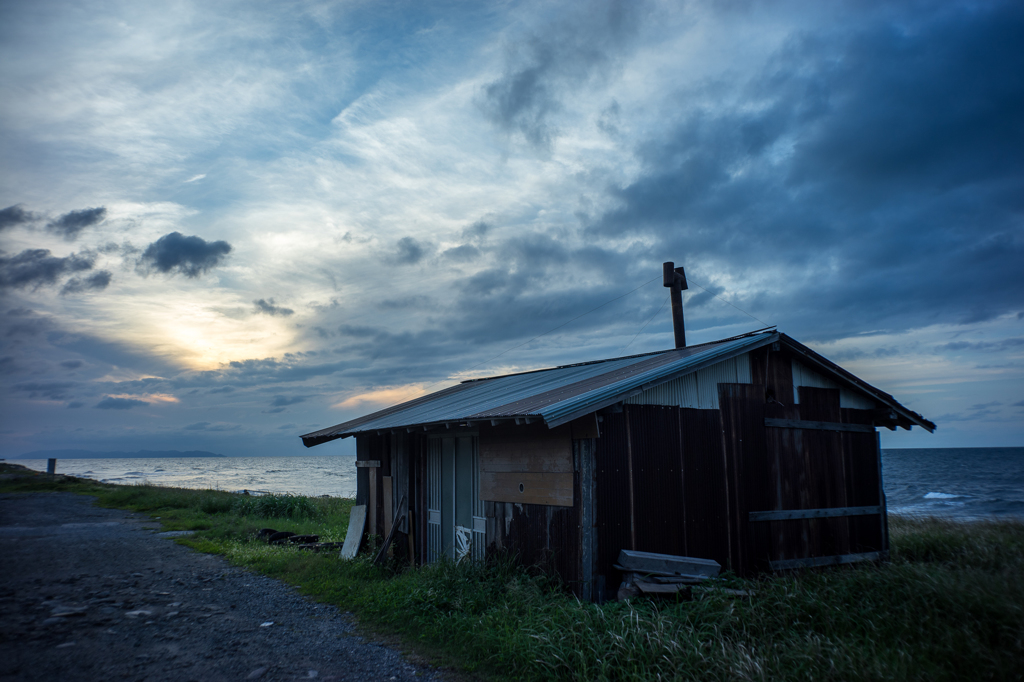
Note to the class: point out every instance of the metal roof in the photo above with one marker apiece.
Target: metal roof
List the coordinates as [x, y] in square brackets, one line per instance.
[555, 395]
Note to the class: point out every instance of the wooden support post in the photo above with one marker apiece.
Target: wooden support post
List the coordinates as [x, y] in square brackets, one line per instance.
[51, 466]
[371, 507]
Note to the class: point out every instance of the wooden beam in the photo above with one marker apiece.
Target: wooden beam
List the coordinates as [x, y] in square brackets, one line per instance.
[553, 489]
[812, 562]
[369, 463]
[787, 514]
[817, 426]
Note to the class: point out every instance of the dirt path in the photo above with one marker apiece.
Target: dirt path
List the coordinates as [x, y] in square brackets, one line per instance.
[97, 594]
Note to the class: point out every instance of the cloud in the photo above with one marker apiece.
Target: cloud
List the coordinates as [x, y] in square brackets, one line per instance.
[222, 389]
[408, 251]
[15, 215]
[110, 403]
[207, 426]
[863, 161]
[281, 400]
[190, 256]
[94, 282]
[1018, 404]
[462, 254]
[36, 267]
[71, 364]
[50, 390]
[71, 224]
[544, 68]
[1002, 344]
[267, 307]
[75, 404]
[382, 396]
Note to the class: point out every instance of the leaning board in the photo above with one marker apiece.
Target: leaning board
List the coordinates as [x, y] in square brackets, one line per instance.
[354, 538]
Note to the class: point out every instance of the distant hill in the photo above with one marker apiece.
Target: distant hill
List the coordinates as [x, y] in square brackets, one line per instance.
[92, 454]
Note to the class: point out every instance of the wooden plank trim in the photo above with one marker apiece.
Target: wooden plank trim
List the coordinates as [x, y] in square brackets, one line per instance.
[369, 463]
[812, 562]
[787, 514]
[552, 489]
[817, 426]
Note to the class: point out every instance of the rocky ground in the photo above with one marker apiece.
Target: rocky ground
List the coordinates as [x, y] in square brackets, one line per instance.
[99, 594]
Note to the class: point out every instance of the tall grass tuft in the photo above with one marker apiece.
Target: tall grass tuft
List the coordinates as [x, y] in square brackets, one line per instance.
[277, 507]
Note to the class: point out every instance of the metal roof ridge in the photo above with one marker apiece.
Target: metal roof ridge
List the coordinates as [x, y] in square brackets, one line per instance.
[624, 357]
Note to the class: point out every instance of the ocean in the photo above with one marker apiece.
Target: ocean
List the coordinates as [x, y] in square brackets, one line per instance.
[965, 483]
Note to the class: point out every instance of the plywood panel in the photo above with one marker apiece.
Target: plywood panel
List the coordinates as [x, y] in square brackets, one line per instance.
[554, 489]
[532, 447]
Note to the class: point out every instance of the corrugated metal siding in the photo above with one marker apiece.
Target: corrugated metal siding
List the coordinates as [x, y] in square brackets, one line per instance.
[698, 390]
[677, 504]
[805, 376]
[657, 479]
[434, 500]
[614, 509]
[681, 392]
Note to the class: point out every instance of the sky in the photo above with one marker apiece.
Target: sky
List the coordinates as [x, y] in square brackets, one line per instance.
[227, 224]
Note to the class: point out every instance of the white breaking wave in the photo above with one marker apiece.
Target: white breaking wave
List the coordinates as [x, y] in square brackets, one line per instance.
[941, 496]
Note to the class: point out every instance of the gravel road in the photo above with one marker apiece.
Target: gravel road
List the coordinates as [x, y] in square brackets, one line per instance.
[97, 594]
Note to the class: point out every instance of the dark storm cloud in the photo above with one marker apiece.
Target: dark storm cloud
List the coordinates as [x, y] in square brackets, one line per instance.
[267, 307]
[542, 69]
[15, 215]
[408, 251]
[877, 165]
[72, 223]
[36, 267]
[110, 403]
[190, 256]
[95, 282]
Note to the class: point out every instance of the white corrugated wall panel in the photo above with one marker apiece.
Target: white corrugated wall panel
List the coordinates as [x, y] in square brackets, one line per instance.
[805, 376]
[700, 389]
[680, 392]
[743, 375]
[708, 379]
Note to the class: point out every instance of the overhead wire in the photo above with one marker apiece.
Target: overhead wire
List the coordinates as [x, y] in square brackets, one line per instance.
[663, 304]
[691, 280]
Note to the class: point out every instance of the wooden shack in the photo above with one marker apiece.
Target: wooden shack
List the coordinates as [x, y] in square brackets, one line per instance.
[754, 451]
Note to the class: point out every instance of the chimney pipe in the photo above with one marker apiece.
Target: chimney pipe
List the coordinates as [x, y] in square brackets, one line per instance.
[675, 279]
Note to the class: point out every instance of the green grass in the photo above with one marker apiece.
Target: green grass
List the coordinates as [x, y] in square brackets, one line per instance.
[948, 606]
